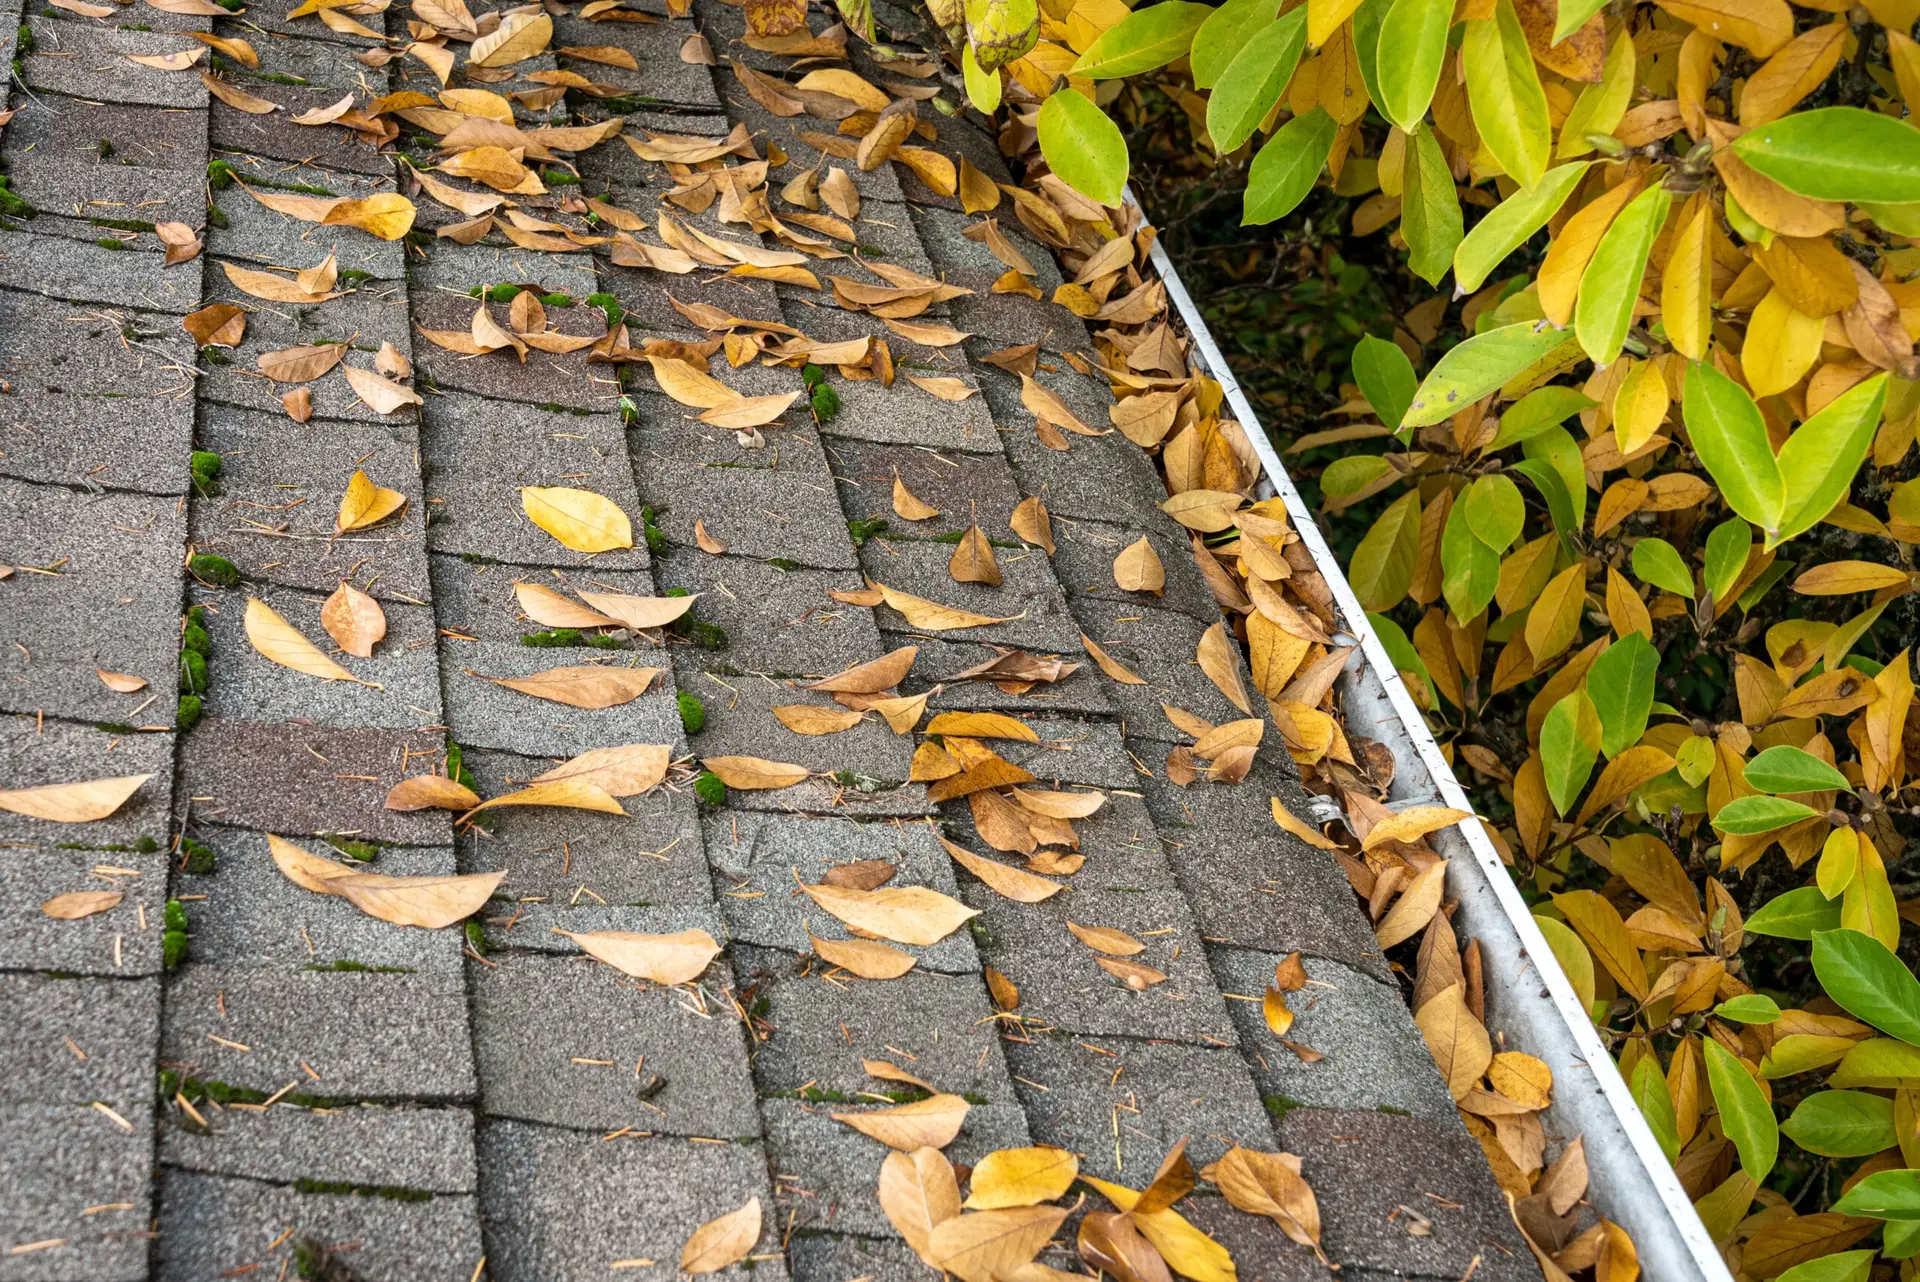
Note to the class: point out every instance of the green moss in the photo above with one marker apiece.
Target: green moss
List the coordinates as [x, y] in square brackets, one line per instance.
[205, 467]
[812, 375]
[187, 715]
[675, 591]
[559, 178]
[217, 570]
[610, 305]
[655, 536]
[116, 727]
[173, 949]
[826, 403]
[1280, 1105]
[201, 859]
[709, 789]
[193, 672]
[857, 782]
[346, 965]
[24, 40]
[108, 242]
[1388, 1108]
[214, 356]
[476, 938]
[862, 530]
[783, 563]
[11, 206]
[216, 217]
[354, 276]
[476, 558]
[195, 638]
[392, 1192]
[551, 638]
[708, 636]
[693, 713]
[146, 845]
[556, 300]
[360, 851]
[121, 224]
[220, 175]
[504, 293]
[106, 149]
[604, 641]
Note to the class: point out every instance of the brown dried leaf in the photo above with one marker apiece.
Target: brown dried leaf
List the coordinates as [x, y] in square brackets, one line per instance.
[382, 395]
[551, 610]
[1032, 524]
[640, 612]
[583, 687]
[76, 904]
[570, 794]
[869, 959]
[903, 914]
[918, 1193]
[873, 676]
[1105, 939]
[624, 771]
[431, 792]
[1005, 994]
[906, 506]
[1138, 569]
[1111, 666]
[1012, 883]
[216, 325]
[121, 682]
[812, 719]
[931, 616]
[661, 959]
[298, 403]
[929, 1123]
[973, 560]
[1270, 1184]
[756, 773]
[1220, 660]
[232, 94]
[354, 620]
[717, 1244]
[275, 289]
[1132, 974]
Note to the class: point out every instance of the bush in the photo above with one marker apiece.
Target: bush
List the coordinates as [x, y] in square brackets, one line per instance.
[1639, 522]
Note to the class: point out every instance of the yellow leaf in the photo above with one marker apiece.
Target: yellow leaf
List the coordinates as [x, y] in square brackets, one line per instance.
[1412, 824]
[640, 612]
[520, 36]
[1219, 658]
[431, 792]
[1457, 1041]
[903, 914]
[931, 616]
[1686, 287]
[382, 395]
[580, 519]
[1791, 74]
[366, 504]
[662, 959]
[813, 719]
[1782, 345]
[1759, 26]
[1020, 1177]
[384, 215]
[570, 794]
[1185, 1248]
[982, 725]
[1138, 569]
[549, 609]
[919, 1193]
[1571, 251]
[983, 1246]
[1301, 829]
[1599, 925]
[906, 506]
[583, 687]
[1554, 621]
[928, 1123]
[281, 642]
[1270, 1184]
[1105, 939]
[1837, 578]
[1520, 1077]
[1415, 907]
[873, 676]
[717, 1244]
[1012, 883]
[1114, 669]
[619, 772]
[72, 803]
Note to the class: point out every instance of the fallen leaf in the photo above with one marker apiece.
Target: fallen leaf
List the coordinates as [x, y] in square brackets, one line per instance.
[216, 325]
[382, 395]
[232, 94]
[661, 959]
[582, 520]
[1138, 569]
[551, 610]
[625, 771]
[981, 1245]
[1415, 907]
[931, 616]
[1111, 1244]
[756, 773]
[718, 1243]
[743, 412]
[275, 289]
[928, 1123]
[982, 725]
[640, 612]
[81, 903]
[1522, 1078]
[1270, 1184]
[121, 682]
[298, 403]
[583, 687]
[1105, 939]
[695, 49]
[366, 504]
[1132, 974]
[861, 874]
[1411, 824]
[1457, 1041]
[518, 37]
[906, 506]
[1111, 666]
[1012, 883]
[1301, 828]
[973, 559]
[1004, 992]
[354, 620]
[1220, 660]
[429, 902]
[904, 914]
[904, 713]
[1020, 1177]
[1274, 1009]
[705, 541]
[942, 388]
[301, 364]
[871, 677]
[869, 959]
[812, 719]
[570, 794]
[280, 641]
[1032, 524]
[918, 1193]
[431, 792]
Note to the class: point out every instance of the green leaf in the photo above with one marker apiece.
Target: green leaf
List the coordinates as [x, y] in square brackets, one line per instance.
[1901, 1241]
[983, 87]
[1554, 491]
[1838, 153]
[1620, 683]
[1495, 511]
[1408, 63]
[1797, 914]
[1557, 449]
[1901, 220]
[1731, 439]
[1749, 816]
[858, 15]
[1783, 768]
[1400, 649]
[1576, 962]
[1143, 40]
[1382, 567]
[1351, 473]
[1611, 283]
[1083, 146]
[1745, 1114]
[1749, 1008]
[1574, 15]
[1847, 1266]
[1469, 569]
[1385, 376]
[1254, 80]
[1884, 1195]
[1367, 20]
[1842, 1124]
[1600, 106]
[1511, 223]
[1655, 561]
[1284, 170]
[1882, 1062]
[1820, 459]
[1538, 410]
[1503, 89]
[1430, 220]
[1473, 368]
[1569, 743]
[1869, 980]
[1651, 1093]
[1224, 34]
[1728, 546]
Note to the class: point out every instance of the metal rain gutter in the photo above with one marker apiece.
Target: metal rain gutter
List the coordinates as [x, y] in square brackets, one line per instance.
[1532, 1006]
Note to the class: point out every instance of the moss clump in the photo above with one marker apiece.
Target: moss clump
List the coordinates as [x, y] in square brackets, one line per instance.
[551, 638]
[206, 473]
[23, 42]
[786, 563]
[709, 789]
[146, 845]
[360, 851]
[216, 217]
[217, 570]
[173, 941]
[106, 149]
[392, 1192]
[198, 858]
[608, 304]
[559, 178]
[187, 715]
[1280, 1105]
[354, 276]
[503, 293]
[825, 402]
[193, 672]
[476, 938]
[122, 224]
[693, 713]
[556, 300]
[11, 206]
[220, 175]
[707, 636]
[116, 727]
[864, 529]
[109, 242]
[346, 965]
[655, 536]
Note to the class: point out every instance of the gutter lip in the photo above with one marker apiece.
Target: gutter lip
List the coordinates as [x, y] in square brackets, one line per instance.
[1633, 1183]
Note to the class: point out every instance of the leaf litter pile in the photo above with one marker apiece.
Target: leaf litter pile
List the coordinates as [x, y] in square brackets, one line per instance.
[1277, 611]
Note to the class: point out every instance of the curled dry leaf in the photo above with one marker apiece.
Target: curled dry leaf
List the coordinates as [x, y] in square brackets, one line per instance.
[583, 687]
[1013, 883]
[718, 1243]
[298, 404]
[1132, 974]
[1032, 524]
[216, 325]
[904, 713]
[280, 641]
[661, 959]
[867, 958]
[1411, 824]
[1301, 828]
[234, 96]
[275, 289]
[918, 1193]
[1138, 569]
[1457, 1041]
[1004, 992]
[551, 610]
[121, 682]
[72, 803]
[1115, 669]
[982, 725]
[812, 719]
[640, 612]
[973, 560]
[354, 620]
[571, 794]
[183, 243]
[928, 1123]
[1059, 805]
[301, 364]
[431, 792]
[366, 504]
[582, 520]
[871, 677]
[1415, 907]
[696, 50]
[81, 903]
[626, 771]
[1105, 939]
[382, 395]
[931, 616]
[1020, 1177]
[756, 773]
[907, 506]
[429, 902]
[904, 914]
[1219, 659]
[705, 541]
[861, 874]
[942, 387]
[1110, 1243]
